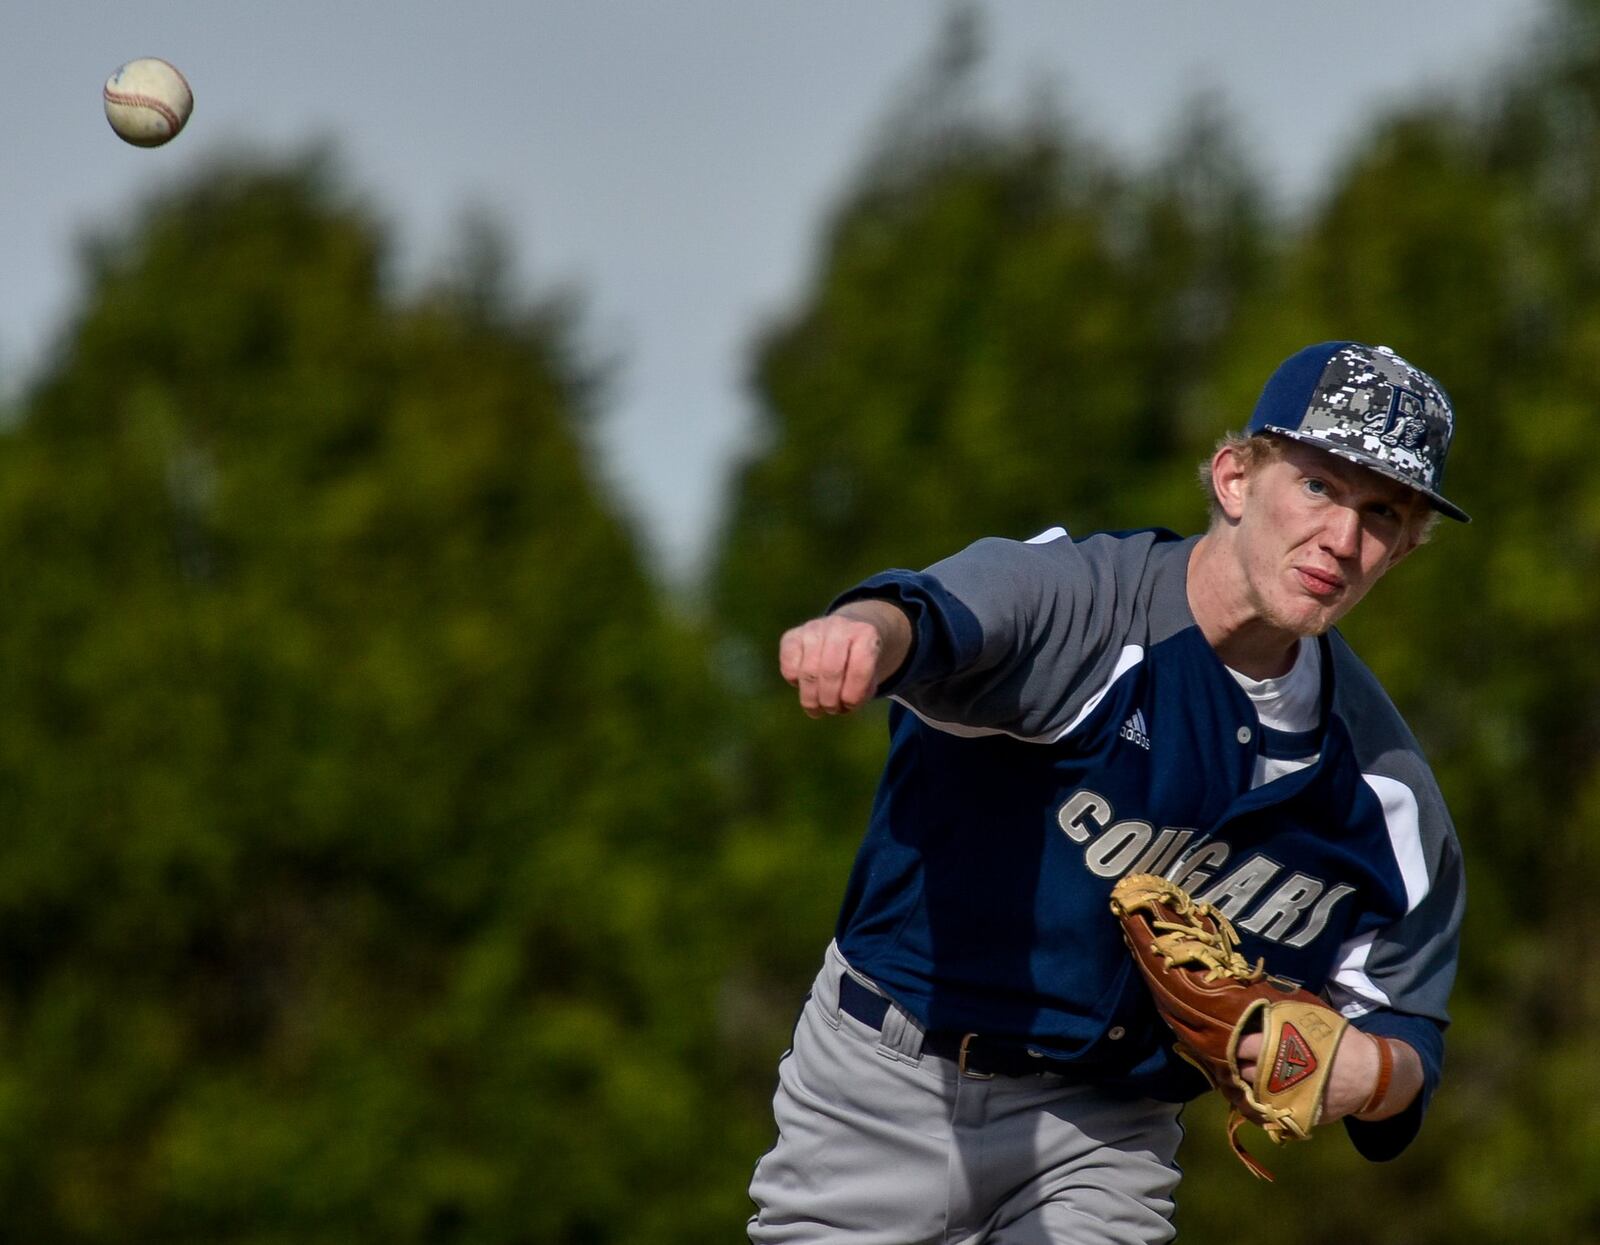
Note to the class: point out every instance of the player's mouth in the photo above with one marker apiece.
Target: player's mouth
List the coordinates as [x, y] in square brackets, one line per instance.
[1319, 583]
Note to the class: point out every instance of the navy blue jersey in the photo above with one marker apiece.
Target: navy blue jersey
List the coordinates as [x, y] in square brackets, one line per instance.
[1062, 721]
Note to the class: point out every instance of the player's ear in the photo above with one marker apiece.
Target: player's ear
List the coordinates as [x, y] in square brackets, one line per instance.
[1230, 475]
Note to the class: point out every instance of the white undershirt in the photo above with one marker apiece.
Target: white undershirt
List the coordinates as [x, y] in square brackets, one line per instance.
[1291, 702]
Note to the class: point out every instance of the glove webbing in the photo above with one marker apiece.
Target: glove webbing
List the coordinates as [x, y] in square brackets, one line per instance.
[1186, 943]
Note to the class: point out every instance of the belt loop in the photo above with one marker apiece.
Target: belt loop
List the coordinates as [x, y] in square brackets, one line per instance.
[961, 1061]
[901, 1036]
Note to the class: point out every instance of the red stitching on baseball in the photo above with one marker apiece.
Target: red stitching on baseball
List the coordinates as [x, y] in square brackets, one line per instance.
[146, 101]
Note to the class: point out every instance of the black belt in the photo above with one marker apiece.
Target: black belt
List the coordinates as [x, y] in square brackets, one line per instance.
[973, 1053]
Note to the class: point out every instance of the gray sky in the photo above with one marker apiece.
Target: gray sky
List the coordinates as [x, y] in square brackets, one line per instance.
[670, 158]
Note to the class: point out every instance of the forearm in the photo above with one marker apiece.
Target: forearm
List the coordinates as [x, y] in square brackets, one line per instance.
[1373, 1078]
[1390, 1126]
[1403, 1081]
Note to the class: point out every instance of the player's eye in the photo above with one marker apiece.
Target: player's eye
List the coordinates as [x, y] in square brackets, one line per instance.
[1316, 486]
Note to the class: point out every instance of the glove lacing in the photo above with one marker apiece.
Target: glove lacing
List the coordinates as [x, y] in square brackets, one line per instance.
[1189, 942]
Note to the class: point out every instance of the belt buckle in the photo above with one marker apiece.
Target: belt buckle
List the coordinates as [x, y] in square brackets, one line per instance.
[961, 1061]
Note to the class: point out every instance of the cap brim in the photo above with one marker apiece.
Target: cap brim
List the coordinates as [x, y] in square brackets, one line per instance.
[1439, 502]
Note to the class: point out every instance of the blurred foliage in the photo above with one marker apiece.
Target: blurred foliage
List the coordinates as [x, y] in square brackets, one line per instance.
[354, 777]
[388, 858]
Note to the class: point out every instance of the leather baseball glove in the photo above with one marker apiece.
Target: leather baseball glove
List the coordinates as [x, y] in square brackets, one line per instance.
[1212, 998]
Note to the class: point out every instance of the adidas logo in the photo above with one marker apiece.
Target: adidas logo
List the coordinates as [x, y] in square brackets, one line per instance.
[1135, 731]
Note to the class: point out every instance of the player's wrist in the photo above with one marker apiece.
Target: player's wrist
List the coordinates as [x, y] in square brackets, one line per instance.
[1382, 1076]
[893, 625]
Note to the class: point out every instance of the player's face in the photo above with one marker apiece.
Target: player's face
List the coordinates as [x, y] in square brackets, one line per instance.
[1315, 532]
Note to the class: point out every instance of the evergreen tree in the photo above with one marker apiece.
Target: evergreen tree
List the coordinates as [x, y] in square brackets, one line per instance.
[355, 779]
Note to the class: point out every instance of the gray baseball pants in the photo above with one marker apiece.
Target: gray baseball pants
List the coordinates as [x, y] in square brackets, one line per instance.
[879, 1144]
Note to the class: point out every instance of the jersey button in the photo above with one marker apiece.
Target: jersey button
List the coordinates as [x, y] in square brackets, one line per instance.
[1244, 734]
[1116, 1033]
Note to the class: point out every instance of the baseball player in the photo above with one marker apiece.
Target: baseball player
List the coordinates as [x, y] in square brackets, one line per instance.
[978, 1060]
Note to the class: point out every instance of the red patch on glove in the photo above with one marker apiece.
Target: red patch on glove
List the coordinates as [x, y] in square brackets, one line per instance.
[1295, 1061]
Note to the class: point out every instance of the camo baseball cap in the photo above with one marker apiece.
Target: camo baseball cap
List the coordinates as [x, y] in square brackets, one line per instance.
[1368, 405]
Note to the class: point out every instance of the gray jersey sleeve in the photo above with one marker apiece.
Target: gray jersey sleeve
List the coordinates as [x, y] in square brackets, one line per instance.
[1019, 637]
[1395, 980]
[1410, 964]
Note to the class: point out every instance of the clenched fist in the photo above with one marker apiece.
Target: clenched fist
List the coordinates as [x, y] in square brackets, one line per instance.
[838, 660]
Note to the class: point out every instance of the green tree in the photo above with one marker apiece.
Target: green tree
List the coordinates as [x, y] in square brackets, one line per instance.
[356, 781]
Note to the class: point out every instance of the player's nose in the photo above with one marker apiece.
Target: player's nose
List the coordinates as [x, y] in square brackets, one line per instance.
[1341, 532]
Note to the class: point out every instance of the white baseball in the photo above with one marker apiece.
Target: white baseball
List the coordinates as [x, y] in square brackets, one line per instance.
[147, 101]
